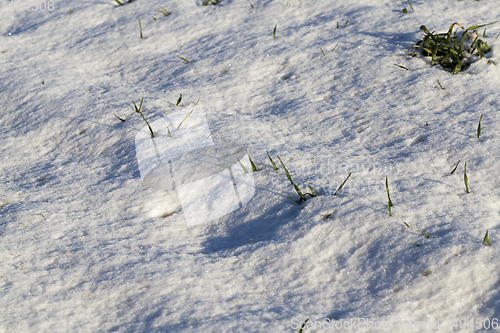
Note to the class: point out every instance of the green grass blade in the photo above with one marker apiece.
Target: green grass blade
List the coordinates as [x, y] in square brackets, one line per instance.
[440, 84]
[140, 28]
[466, 179]
[486, 239]
[342, 185]
[119, 3]
[334, 48]
[184, 59]
[403, 67]
[303, 325]
[122, 120]
[312, 191]
[297, 189]
[179, 100]
[251, 4]
[272, 162]
[169, 134]
[479, 127]
[187, 116]
[322, 51]
[138, 110]
[274, 32]
[427, 236]
[251, 162]
[456, 166]
[474, 27]
[244, 169]
[410, 5]
[389, 208]
[416, 244]
[163, 11]
[387, 189]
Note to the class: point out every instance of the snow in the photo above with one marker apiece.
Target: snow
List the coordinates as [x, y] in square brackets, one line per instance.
[86, 246]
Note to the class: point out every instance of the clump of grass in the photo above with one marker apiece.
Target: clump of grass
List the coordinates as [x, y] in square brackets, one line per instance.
[455, 168]
[342, 185]
[272, 162]
[297, 189]
[478, 133]
[138, 110]
[389, 204]
[446, 50]
[486, 239]
[210, 2]
[466, 179]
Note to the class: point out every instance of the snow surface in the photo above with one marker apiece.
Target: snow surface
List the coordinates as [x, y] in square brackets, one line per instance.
[86, 247]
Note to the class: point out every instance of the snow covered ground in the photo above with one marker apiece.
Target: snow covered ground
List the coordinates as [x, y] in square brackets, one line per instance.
[86, 247]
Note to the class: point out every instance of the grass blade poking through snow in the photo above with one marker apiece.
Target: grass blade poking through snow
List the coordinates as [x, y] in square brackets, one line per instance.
[389, 204]
[486, 239]
[466, 179]
[122, 120]
[341, 185]
[163, 11]
[410, 5]
[251, 4]
[297, 189]
[274, 32]
[479, 127]
[456, 166]
[251, 162]
[244, 169]
[322, 51]
[272, 162]
[179, 100]
[138, 110]
[403, 67]
[440, 84]
[184, 59]
[118, 2]
[140, 28]
[187, 116]
[303, 325]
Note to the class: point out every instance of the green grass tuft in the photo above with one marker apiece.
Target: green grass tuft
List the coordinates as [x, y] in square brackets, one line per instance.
[297, 189]
[446, 50]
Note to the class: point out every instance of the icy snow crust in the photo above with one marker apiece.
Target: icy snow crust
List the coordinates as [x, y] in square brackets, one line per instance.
[86, 247]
